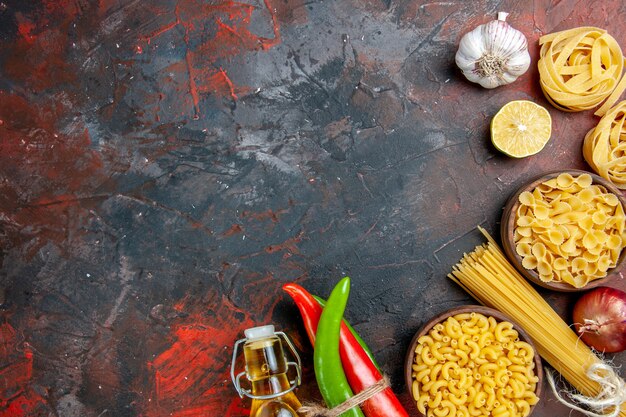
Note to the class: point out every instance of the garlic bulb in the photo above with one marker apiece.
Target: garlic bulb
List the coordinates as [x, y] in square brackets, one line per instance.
[493, 54]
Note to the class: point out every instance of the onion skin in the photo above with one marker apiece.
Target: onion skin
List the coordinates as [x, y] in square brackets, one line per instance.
[600, 319]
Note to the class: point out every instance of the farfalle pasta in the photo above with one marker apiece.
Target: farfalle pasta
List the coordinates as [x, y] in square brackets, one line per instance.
[604, 148]
[569, 230]
[470, 365]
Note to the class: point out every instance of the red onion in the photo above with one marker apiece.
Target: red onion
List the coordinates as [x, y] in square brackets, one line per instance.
[600, 319]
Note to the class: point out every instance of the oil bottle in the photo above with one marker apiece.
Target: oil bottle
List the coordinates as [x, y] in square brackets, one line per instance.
[266, 370]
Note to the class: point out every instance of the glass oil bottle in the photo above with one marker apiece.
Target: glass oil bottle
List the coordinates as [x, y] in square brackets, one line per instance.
[266, 370]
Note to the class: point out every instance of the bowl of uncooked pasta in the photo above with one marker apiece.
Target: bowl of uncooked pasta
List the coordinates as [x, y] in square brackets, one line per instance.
[566, 230]
[473, 360]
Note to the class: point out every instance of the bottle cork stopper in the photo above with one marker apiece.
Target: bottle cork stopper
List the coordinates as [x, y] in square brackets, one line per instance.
[259, 332]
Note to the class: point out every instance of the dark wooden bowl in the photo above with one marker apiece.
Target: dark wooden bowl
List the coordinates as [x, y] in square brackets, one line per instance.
[507, 227]
[486, 311]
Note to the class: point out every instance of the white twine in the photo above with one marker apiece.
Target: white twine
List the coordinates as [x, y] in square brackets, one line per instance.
[316, 410]
[609, 400]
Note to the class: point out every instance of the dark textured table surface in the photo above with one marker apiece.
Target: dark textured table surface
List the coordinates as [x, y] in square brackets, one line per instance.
[166, 166]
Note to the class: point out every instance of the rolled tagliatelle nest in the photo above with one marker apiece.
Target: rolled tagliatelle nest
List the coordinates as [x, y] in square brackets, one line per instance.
[604, 147]
[580, 68]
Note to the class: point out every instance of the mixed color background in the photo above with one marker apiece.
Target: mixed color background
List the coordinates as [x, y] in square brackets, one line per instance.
[165, 166]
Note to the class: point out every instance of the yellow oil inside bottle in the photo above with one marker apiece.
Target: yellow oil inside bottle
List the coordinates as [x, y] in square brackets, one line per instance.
[266, 369]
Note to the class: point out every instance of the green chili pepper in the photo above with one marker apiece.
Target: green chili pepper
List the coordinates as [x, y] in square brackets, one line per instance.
[366, 348]
[329, 373]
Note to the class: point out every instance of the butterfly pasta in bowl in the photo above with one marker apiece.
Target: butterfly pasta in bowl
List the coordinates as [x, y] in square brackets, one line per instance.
[566, 230]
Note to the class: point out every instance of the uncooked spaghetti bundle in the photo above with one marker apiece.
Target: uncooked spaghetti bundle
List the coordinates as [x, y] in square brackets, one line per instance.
[488, 276]
[604, 148]
[580, 68]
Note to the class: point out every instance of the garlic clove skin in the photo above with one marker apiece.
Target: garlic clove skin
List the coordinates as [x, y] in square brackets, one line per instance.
[518, 64]
[492, 81]
[493, 54]
[509, 78]
[470, 50]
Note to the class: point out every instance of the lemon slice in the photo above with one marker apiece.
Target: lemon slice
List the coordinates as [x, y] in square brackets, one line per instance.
[521, 128]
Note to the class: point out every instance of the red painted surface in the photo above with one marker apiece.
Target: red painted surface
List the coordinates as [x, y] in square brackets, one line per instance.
[290, 245]
[186, 380]
[273, 215]
[231, 36]
[220, 85]
[38, 57]
[39, 61]
[25, 28]
[17, 397]
[234, 230]
[53, 173]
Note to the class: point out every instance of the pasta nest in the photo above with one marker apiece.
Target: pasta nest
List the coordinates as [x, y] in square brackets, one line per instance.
[579, 68]
[604, 147]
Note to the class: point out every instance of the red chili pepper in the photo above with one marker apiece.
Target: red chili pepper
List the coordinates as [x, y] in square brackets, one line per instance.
[359, 369]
